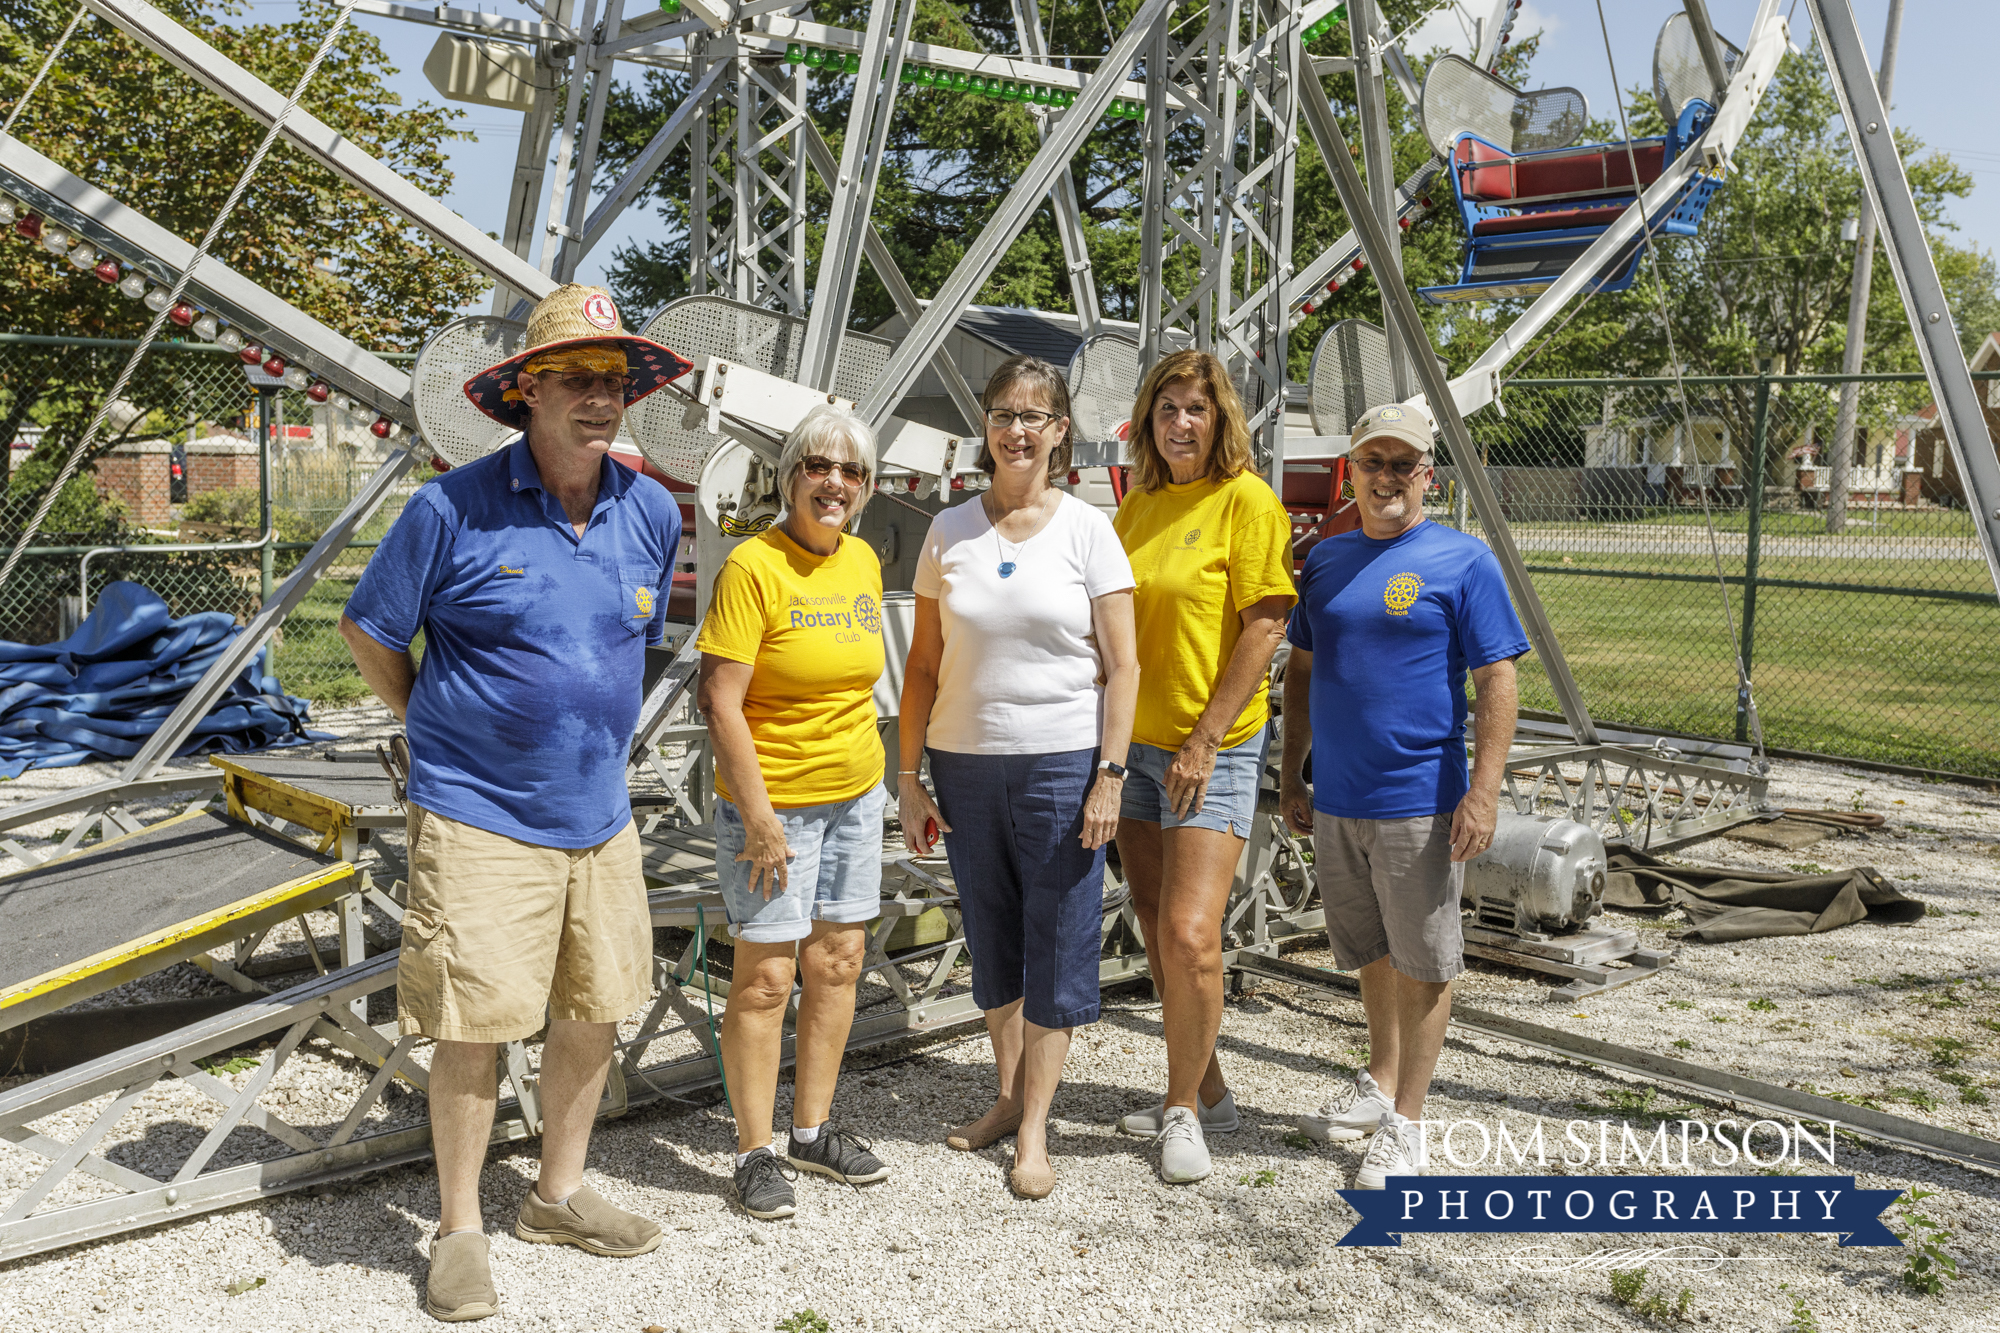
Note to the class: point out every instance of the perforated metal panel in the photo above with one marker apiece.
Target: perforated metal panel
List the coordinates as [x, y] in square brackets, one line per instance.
[457, 431]
[1104, 378]
[698, 327]
[1461, 98]
[1349, 375]
[1678, 74]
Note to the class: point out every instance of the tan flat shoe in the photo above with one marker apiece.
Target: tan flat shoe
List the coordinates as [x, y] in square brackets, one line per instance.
[1032, 1182]
[983, 1132]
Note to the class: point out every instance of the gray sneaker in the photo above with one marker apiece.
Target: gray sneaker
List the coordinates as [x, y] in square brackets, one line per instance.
[1350, 1117]
[1220, 1118]
[839, 1153]
[1396, 1150]
[1183, 1154]
[764, 1186]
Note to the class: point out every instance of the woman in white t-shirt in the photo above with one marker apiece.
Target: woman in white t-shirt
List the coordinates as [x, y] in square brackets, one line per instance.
[1022, 677]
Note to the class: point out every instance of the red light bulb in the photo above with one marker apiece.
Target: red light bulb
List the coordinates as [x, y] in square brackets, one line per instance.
[439, 465]
[250, 354]
[958, 483]
[318, 392]
[275, 367]
[30, 226]
[106, 270]
[1074, 477]
[381, 428]
[182, 314]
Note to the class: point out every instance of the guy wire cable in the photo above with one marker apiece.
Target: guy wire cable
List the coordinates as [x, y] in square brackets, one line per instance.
[1687, 415]
[43, 72]
[82, 447]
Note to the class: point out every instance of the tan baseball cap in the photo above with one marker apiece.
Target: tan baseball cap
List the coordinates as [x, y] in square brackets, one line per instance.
[1395, 421]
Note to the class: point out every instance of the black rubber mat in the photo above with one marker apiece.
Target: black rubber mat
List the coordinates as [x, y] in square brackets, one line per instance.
[83, 905]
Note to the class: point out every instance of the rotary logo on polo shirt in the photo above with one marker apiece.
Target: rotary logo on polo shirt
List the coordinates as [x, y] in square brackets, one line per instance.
[1401, 594]
[643, 597]
[866, 614]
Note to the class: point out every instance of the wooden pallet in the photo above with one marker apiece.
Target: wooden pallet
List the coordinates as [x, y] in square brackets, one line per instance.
[1594, 961]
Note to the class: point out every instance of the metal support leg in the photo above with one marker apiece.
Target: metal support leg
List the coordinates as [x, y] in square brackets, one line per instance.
[1062, 200]
[1379, 158]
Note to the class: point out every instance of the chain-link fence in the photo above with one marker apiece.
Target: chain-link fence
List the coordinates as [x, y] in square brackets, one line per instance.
[184, 459]
[1869, 633]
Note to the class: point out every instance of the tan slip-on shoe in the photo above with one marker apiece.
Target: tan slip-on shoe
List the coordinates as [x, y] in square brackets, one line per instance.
[983, 1132]
[1032, 1182]
[460, 1286]
[587, 1220]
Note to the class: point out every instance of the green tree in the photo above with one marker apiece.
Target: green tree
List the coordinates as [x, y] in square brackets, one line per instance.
[125, 120]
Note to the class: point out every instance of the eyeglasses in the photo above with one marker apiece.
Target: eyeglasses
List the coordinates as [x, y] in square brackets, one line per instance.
[817, 468]
[1004, 420]
[1402, 467]
[583, 382]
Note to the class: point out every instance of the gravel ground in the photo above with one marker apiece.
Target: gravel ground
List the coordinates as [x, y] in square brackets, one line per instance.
[1902, 1018]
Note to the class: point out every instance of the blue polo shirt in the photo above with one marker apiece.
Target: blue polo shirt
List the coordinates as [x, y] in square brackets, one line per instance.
[1393, 627]
[534, 642]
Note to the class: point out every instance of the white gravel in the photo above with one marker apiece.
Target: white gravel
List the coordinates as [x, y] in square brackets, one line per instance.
[943, 1246]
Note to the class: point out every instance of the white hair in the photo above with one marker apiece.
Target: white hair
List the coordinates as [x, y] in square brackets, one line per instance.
[824, 426]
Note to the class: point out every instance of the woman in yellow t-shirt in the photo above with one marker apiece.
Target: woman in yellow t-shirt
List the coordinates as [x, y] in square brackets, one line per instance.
[1210, 547]
[790, 652]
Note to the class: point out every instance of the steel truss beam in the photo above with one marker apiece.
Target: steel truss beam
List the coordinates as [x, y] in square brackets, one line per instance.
[1218, 197]
[1916, 271]
[928, 333]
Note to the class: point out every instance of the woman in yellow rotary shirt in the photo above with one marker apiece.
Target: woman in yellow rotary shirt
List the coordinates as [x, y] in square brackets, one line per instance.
[790, 652]
[1211, 550]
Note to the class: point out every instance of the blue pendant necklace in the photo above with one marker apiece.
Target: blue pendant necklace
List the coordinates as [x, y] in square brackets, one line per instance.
[1007, 566]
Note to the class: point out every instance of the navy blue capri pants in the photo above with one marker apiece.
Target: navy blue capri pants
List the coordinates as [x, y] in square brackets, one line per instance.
[1032, 896]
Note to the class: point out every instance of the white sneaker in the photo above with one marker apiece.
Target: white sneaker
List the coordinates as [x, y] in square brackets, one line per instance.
[1183, 1154]
[1350, 1117]
[1220, 1118]
[1396, 1150]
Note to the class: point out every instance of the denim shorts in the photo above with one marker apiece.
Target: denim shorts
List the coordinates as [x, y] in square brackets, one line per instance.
[1228, 806]
[835, 873]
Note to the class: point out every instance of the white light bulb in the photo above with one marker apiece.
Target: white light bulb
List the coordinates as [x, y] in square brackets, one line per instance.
[207, 327]
[158, 299]
[84, 255]
[132, 286]
[342, 403]
[228, 339]
[9, 211]
[54, 239]
[297, 378]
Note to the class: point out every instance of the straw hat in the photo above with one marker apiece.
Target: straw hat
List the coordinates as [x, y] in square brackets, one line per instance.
[574, 316]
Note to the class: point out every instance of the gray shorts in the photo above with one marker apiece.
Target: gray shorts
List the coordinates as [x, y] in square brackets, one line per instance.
[1390, 890]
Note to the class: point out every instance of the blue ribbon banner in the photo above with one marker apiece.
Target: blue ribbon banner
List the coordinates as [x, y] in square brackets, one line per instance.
[1600, 1204]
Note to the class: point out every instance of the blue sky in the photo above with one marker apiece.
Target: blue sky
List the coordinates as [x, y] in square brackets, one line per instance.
[1946, 55]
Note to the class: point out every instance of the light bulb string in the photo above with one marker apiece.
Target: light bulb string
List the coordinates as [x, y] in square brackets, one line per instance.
[81, 449]
[82, 12]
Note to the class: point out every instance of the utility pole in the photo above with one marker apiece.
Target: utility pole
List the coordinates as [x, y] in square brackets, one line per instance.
[1841, 464]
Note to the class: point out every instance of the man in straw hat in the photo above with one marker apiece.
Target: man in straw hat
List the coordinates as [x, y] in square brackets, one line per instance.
[538, 575]
[1389, 621]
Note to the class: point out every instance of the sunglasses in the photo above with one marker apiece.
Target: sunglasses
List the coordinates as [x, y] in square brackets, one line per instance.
[583, 382]
[817, 468]
[1402, 467]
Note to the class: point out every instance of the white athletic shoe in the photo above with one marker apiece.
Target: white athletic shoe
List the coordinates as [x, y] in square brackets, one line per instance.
[1183, 1154]
[1220, 1118]
[1350, 1117]
[1396, 1150]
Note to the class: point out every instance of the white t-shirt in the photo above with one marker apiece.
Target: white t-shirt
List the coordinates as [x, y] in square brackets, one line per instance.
[1020, 665]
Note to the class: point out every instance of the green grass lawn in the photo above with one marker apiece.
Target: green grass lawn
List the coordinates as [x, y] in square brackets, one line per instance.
[1907, 680]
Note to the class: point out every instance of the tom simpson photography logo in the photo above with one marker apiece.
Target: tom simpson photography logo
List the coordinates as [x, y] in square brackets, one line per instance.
[1659, 1202]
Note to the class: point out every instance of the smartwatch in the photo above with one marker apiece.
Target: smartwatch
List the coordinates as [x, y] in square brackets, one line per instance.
[1115, 770]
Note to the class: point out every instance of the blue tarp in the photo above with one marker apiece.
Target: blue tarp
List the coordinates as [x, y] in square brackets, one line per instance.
[102, 691]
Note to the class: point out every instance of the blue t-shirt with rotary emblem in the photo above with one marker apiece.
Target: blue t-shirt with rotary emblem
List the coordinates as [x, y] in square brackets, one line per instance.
[534, 642]
[1394, 626]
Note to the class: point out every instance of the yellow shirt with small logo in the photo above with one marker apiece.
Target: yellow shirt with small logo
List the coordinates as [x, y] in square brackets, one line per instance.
[1201, 553]
[810, 627]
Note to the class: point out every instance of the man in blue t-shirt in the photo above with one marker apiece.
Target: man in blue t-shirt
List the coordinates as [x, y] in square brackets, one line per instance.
[538, 575]
[1390, 620]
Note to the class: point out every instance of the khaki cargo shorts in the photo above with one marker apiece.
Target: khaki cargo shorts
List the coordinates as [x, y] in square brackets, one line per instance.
[498, 930]
[1390, 890]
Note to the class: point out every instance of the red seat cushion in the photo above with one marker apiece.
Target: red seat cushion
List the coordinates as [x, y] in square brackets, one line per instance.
[1553, 219]
[1489, 176]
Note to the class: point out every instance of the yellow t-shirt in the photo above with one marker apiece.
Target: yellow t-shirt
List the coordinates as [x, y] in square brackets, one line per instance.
[810, 627]
[1201, 553]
